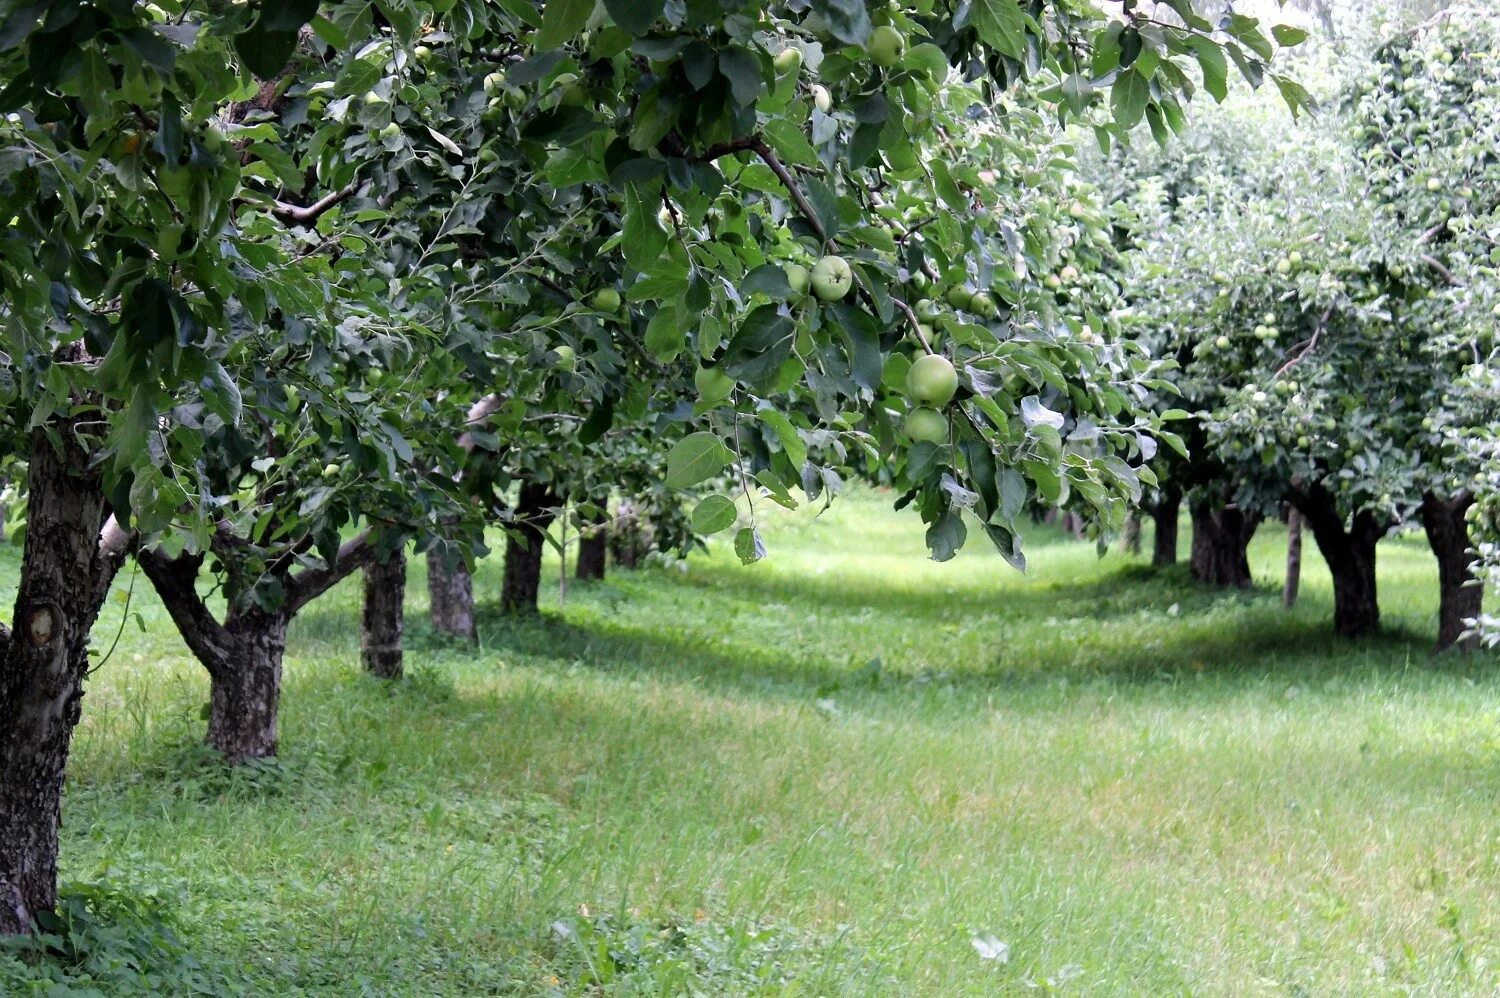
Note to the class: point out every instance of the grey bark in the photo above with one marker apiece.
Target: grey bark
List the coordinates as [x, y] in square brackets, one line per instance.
[70, 558]
[382, 617]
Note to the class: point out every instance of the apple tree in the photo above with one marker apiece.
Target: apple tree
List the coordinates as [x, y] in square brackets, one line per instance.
[208, 198]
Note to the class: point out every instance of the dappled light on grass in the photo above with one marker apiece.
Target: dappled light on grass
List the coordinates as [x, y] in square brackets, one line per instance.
[839, 767]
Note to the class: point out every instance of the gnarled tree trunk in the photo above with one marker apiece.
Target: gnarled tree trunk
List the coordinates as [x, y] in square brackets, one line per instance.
[1460, 597]
[1350, 554]
[536, 508]
[243, 655]
[1221, 539]
[66, 571]
[450, 592]
[1164, 514]
[593, 546]
[383, 615]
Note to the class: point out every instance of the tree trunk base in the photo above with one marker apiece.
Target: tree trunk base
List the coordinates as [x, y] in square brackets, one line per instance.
[383, 616]
[245, 690]
[1221, 539]
[450, 588]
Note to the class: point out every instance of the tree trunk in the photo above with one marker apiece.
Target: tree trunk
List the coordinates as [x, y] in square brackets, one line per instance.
[383, 616]
[1221, 538]
[243, 655]
[1293, 558]
[1164, 516]
[1350, 554]
[535, 510]
[450, 589]
[245, 687]
[593, 545]
[1132, 538]
[65, 575]
[1460, 595]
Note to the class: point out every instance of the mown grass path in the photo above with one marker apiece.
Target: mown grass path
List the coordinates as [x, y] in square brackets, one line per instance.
[702, 779]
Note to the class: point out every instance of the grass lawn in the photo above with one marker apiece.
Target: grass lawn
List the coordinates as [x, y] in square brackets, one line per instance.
[828, 773]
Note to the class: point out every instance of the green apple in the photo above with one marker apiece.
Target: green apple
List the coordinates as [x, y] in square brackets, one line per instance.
[1052, 282]
[927, 424]
[1223, 343]
[713, 384]
[832, 278]
[822, 99]
[960, 296]
[494, 83]
[788, 60]
[798, 277]
[331, 469]
[932, 379]
[390, 131]
[1283, 266]
[606, 300]
[886, 46]
[928, 309]
[567, 360]
[1069, 273]
[983, 305]
[422, 52]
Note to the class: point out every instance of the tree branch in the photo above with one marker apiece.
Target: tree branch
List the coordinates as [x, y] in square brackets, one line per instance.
[175, 581]
[1311, 344]
[310, 583]
[303, 214]
[1443, 272]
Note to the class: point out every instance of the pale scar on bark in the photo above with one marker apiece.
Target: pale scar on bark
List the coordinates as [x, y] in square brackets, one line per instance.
[41, 625]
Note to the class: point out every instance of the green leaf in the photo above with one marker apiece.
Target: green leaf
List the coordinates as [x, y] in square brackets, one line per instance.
[645, 239]
[713, 514]
[635, 16]
[1287, 35]
[696, 458]
[946, 536]
[1215, 66]
[749, 546]
[562, 20]
[1002, 25]
[791, 442]
[1128, 98]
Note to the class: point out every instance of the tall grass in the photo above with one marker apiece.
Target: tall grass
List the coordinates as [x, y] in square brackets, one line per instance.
[829, 773]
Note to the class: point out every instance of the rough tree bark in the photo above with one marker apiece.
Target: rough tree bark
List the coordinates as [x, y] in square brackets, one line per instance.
[593, 546]
[243, 654]
[450, 589]
[1350, 554]
[383, 616]
[1293, 558]
[1221, 537]
[70, 558]
[1460, 597]
[536, 508]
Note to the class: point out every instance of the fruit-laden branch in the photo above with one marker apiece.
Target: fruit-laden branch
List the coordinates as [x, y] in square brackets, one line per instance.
[757, 145]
